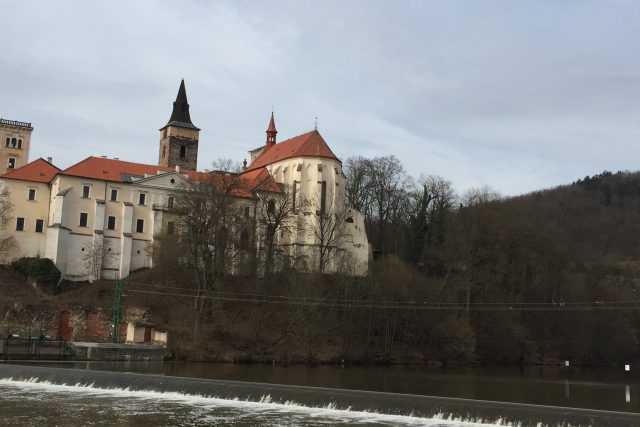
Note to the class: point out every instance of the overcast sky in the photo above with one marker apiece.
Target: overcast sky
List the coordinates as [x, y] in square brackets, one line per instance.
[516, 95]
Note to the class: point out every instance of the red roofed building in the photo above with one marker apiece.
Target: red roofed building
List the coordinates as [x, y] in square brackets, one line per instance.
[98, 217]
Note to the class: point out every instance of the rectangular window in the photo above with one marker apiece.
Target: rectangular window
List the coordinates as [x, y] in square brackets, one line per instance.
[111, 223]
[11, 163]
[323, 197]
[143, 199]
[19, 224]
[39, 225]
[296, 195]
[183, 151]
[170, 201]
[86, 191]
[32, 194]
[140, 226]
[114, 195]
[247, 211]
[171, 227]
[84, 218]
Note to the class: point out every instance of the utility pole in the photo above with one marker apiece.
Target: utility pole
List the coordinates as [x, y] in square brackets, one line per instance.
[117, 307]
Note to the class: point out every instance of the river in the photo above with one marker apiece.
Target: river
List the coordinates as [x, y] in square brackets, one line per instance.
[119, 399]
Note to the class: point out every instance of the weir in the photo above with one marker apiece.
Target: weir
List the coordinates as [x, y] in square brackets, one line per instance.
[353, 400]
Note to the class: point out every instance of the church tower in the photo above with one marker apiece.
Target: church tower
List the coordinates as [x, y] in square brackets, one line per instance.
[15, 139]
[179, 137]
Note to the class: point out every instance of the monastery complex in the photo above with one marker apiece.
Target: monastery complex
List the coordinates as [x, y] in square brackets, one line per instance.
[119, 208]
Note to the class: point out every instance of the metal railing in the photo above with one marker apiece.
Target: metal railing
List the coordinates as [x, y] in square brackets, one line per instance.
[15, 123]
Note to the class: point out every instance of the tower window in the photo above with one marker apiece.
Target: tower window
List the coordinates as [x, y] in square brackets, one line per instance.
[140, 226]
[164, 151]
[11, 163]
[32, 194]
[183, 151]
[8, 141]
[84, 219]
[111, 223]
[14, 142]
[323, 197]
[19, 143]
[19, 224]
[39, 225]
[86, 191]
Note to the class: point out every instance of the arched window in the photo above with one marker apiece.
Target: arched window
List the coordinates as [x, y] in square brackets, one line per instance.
[19, 143]
[8, 141]
[271, 206]
[14, 142]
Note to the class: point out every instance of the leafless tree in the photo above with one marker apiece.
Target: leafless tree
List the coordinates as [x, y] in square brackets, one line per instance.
[275, 215]
[209, 215]
[329, 232]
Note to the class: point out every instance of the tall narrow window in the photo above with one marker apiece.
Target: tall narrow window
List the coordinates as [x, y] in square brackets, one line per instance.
[114, 195]
[19, 143]
[84, 218]
[296, 196]
[170, 201]
[8, 141]
[111, 223]
[86, 191]
[183, 151]
[14, 143]
[171, 226]
[323, 197]
[140, 226]
[247, 211]
[164, 151]
[143, 199]
[19, 224]
[32, 194]
[39, 225]
[271, 206]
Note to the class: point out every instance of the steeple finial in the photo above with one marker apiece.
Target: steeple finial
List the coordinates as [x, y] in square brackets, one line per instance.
[315, 125]
[180, 113]
[271, 132]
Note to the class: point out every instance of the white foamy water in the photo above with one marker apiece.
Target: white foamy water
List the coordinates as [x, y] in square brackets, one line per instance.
[86, 402]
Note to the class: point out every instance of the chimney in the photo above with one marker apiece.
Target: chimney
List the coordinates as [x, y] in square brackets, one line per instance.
[178, 168]
[50, 160]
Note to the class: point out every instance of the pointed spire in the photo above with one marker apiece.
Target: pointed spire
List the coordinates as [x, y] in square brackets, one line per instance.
[180, 113]
[271, 132]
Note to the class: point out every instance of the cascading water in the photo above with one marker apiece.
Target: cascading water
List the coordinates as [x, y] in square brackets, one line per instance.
[36, 394]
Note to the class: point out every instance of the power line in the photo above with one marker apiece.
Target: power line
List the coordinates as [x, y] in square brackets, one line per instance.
[364, 304]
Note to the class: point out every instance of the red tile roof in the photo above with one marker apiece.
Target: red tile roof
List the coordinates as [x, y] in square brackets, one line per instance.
[310, 144]
[118, 171]
[37, 171]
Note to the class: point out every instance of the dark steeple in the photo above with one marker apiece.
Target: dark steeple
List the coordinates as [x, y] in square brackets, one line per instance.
[271, 132]
[180, 114]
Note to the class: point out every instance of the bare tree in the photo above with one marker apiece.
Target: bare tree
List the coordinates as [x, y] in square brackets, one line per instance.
[358, 186]
[387, 180]
[94, 257]
[275, 215]
[329, 232]
[209, 215]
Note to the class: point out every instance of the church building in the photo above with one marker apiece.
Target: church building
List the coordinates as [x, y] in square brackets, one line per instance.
[99, 217]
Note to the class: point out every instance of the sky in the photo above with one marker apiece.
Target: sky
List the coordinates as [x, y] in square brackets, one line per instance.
[514, 95]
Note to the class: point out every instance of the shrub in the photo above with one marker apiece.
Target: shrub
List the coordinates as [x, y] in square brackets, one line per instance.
[42, 270]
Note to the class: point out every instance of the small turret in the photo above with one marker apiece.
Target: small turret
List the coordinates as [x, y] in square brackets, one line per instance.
[271, 133]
